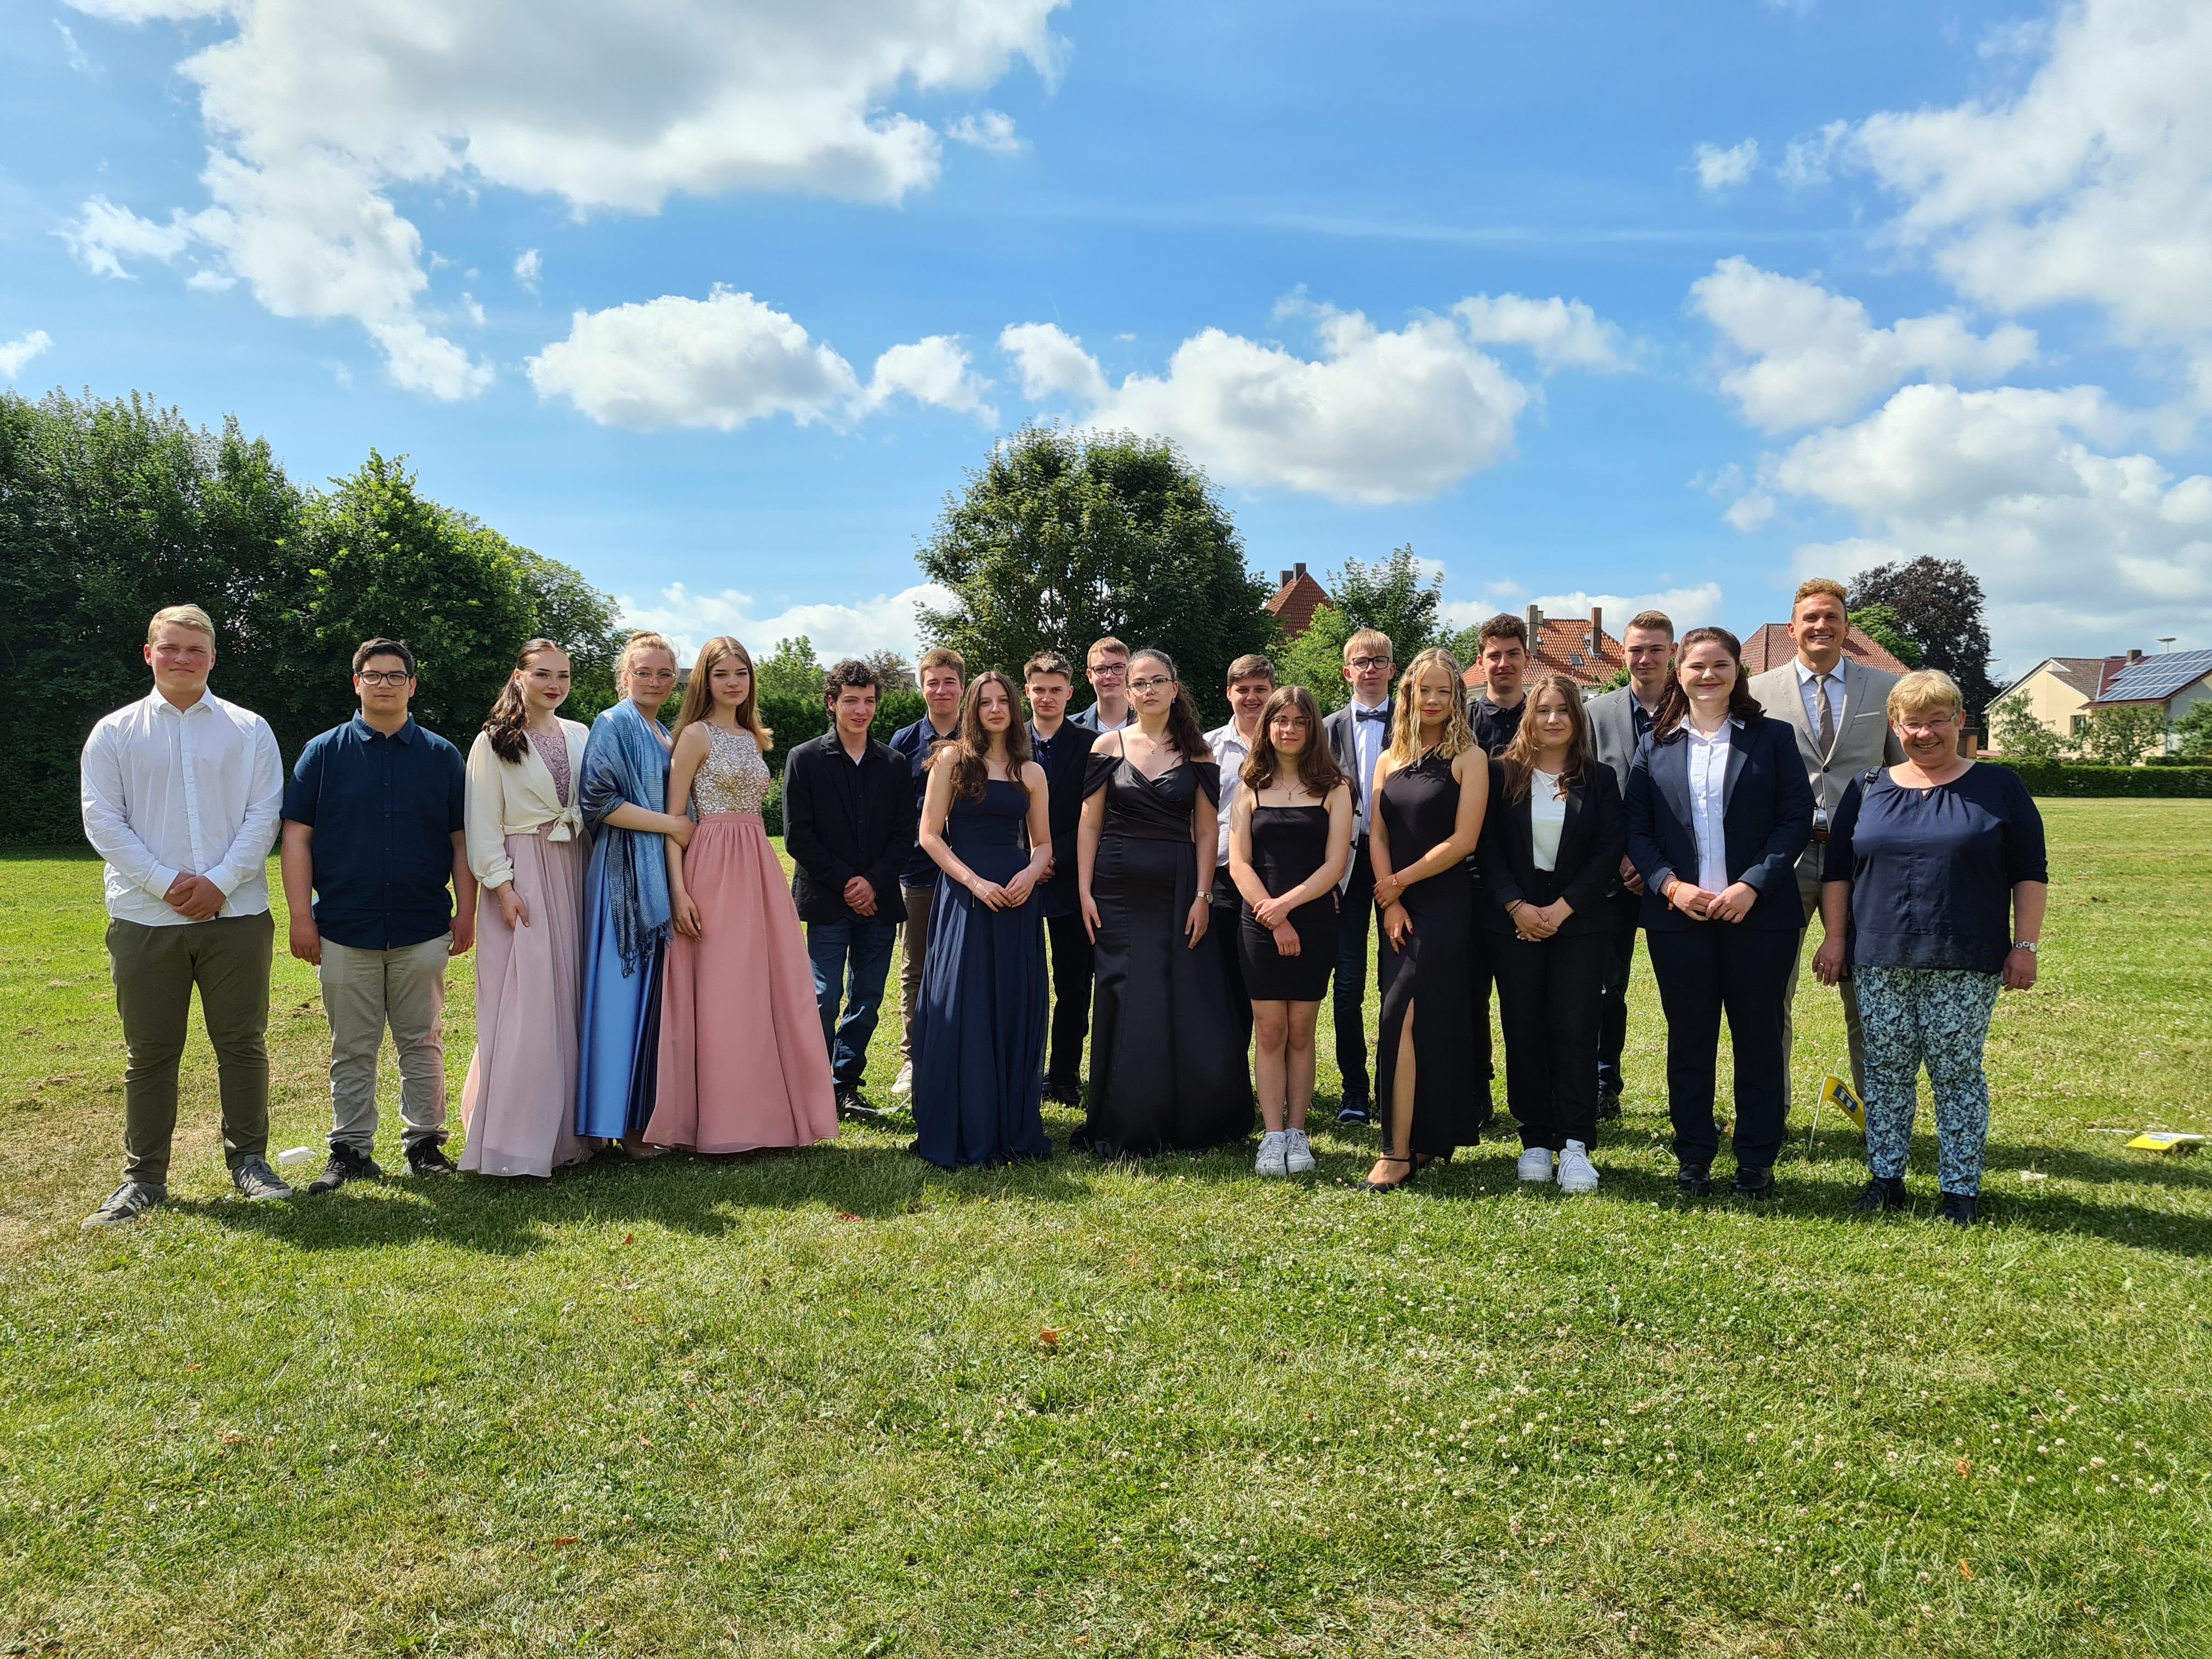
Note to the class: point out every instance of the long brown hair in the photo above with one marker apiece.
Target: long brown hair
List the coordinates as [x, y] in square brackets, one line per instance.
[699, 690]
[507, 725]
[970, 749]
[1405, 718]
[1185, 734]
[1520, 755]
[1318, 772]
[1674, 701]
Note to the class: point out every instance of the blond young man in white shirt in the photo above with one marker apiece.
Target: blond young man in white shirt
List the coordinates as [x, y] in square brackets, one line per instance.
[1251, 683]
[181, 793]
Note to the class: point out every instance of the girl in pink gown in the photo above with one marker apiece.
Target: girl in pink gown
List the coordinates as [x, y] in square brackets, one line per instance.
[742, 1060]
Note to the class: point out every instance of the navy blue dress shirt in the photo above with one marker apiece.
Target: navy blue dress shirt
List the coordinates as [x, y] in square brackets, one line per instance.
[1932, 871]
[384, 811]
[913, 744]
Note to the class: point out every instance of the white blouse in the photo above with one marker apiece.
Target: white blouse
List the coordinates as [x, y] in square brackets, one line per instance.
[1547, 818]
[1709, 765]
[517, 797]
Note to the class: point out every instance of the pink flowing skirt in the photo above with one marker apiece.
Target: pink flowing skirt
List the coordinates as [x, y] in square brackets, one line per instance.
[520, 1102]
[743, 1064]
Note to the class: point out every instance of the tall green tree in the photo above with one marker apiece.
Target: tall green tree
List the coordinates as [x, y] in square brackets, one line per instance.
[1881, 625]
[1938, 602]
[2123, 736]
[1390, 596]
[2019, 735]
[1316, 658]
[1062, 537]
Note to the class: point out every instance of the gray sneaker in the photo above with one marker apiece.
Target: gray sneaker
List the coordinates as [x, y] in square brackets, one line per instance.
[255, 1182]
[1297, 1154]
[126, 1203]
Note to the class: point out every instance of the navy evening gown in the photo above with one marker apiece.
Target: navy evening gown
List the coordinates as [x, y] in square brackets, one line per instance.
[979, 1029]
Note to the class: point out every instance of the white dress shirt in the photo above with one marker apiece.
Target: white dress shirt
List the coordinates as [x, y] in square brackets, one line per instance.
[170, 791]
[1807, 680]
[1230, 749]
[1709, 764]
[1547, 818]
[1368, 740]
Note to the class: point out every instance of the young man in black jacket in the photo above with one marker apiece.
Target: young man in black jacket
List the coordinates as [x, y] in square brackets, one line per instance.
[850, 822]
[1062, 747]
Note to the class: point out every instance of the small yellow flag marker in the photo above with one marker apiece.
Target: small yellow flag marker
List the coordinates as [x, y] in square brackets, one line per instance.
[2167, 1140]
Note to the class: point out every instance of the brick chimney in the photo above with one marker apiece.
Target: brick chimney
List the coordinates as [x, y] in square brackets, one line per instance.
[1535, 628]
[1597, 632]
[1299, 567]
[1286, 579]
[2134, 655]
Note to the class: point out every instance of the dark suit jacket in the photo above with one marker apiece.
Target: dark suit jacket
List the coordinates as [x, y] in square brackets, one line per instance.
[840, 820]
[1766, 820]
[1071, 759]
[1589, 865]
[1339, 727]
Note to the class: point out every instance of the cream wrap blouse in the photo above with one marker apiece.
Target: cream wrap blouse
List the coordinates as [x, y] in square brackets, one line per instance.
[517, 797]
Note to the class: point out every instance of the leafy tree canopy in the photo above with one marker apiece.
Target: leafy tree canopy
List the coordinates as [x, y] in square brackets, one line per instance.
[1881, 625]
[1938, 605]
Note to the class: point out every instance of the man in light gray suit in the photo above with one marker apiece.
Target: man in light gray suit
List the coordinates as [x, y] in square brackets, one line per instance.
[1840, 712]
[1618, 721]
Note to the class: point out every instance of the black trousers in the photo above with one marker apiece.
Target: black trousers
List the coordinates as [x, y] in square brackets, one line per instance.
[1703, 971]
[1349, 992]
[1547, 1002]
[1228, 909]
[1625, 909]
[1073, 956]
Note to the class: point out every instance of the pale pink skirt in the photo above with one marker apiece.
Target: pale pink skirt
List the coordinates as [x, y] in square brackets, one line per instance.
[743, 1064]
[520, 1102]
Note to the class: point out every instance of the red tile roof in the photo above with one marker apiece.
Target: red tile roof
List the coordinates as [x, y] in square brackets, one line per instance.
[1562, 645]
[1771, 648]
[1295, 603]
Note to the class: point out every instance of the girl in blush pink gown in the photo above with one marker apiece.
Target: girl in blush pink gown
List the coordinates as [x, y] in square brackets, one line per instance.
[743, 1064]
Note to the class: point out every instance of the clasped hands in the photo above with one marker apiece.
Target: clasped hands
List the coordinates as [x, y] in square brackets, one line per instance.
[1732, 904]
[1002, 895]
[1538, 922]
[195, 897]
[1273, 914]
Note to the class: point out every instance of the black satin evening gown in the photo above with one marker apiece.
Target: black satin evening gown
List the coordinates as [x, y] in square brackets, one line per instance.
[1420, 804]
[1167, 1071]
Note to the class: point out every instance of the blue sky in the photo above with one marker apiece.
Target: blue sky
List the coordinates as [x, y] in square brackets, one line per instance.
[1612, 300]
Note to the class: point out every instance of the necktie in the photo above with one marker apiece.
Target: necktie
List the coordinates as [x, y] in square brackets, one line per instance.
[1828, 734]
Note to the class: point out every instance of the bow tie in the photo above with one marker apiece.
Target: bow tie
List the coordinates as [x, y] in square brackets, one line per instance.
[1382, 713]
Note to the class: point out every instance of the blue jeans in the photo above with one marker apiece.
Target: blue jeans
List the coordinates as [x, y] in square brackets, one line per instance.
[854, 956]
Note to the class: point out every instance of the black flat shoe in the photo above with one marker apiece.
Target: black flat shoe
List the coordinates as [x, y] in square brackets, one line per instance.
[1694, 1179]
[1608, 1105]
[1371, 1185]
[1882, 1192]
[1352, 1113]
[1755, 1183]
[1959, 1209]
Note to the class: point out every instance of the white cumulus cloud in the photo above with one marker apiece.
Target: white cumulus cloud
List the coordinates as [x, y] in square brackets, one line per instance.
[318, 114]
[1798, 356]
[986, 129]
[934, 370]
[1378, 415]
[14, 354]
[885, 622]
[529, 267]
[1722, 169]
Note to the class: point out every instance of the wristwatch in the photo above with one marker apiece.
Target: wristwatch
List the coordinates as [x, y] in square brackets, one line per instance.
[2027, 945]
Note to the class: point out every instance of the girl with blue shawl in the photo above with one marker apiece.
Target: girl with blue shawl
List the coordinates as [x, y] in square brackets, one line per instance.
[626, 905]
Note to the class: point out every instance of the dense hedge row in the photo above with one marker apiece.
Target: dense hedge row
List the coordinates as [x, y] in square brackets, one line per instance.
[2065, 779]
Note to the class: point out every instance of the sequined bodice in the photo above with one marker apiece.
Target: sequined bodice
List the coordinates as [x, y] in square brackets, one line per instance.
[733, 777]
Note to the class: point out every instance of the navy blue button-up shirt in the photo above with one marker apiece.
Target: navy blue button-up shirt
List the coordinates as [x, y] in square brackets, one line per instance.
[913, 744]
[385, 811]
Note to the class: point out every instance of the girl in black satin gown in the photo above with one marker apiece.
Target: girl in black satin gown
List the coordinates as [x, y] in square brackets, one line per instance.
[1290, 838]
[1431, 788]
[1166, 1071]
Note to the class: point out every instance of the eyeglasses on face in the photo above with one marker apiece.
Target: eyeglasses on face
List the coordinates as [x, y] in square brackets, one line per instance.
[1109, 671]
[1155, 684]
[384, 677]
[1369, 665]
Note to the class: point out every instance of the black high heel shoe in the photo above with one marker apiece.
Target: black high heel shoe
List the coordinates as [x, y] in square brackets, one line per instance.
[1371, 1185]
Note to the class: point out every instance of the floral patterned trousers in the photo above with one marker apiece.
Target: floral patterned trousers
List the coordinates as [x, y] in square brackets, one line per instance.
[1938, 1017]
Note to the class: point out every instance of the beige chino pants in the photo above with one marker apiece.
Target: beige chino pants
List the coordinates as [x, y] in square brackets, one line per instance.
[364, 992]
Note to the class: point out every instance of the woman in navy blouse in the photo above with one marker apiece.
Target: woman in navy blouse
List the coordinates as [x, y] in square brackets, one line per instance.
[1938, 866]
[1718, 809]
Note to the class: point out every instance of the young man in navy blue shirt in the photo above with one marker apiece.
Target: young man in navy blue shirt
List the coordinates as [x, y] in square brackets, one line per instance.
[374, 828]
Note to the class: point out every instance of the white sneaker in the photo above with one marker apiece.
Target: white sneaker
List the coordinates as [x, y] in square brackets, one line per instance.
[904, 1087]
[1297, 1154]
[1536, 1164]
[1275, 1145]
[1577, 1173]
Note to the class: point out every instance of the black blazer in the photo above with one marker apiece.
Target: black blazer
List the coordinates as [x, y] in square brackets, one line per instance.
[1589, 865]
[1766, 820]
[1339, 727]
[1071, 758]
[841, 821]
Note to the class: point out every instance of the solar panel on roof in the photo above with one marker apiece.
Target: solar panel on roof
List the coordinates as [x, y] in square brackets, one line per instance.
[2155, 678]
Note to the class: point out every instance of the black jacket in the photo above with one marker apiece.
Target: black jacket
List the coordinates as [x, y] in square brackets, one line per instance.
[1766, 820]
[1339, 728]
[840, 820]
[1071, 759]
[1589, 864]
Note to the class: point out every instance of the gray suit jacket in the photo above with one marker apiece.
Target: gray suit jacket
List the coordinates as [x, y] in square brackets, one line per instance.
[1863, 739]
[1612, 732]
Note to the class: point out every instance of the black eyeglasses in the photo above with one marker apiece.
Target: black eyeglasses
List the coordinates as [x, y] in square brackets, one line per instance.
[385, 677]
[1368, 665]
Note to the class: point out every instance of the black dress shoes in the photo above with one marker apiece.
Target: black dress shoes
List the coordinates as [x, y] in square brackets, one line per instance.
[1757, 1183]
[1959, 1209]
[1694, 1179]
[1608, 1103]
[1882, 1192]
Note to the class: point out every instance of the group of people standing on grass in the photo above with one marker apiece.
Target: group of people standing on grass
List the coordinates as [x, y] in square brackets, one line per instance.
[1176, 900]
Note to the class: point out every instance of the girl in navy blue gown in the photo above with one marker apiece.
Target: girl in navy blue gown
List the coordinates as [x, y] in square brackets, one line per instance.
[979, 1030]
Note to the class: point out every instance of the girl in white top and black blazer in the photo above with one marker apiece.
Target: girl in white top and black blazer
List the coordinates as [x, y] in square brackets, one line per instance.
[1550, 855]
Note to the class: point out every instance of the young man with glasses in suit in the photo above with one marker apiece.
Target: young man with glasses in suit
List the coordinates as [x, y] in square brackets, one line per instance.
[1358, 734]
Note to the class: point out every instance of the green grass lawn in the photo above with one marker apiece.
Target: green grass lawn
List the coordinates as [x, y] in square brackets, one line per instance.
[816, 1404]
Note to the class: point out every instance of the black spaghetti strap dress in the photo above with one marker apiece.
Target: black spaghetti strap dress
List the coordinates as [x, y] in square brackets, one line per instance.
[1289, 844]
[1167, 1072]
[1420, 804]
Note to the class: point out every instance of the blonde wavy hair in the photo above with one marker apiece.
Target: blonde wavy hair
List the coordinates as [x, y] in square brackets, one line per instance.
[1406, 719]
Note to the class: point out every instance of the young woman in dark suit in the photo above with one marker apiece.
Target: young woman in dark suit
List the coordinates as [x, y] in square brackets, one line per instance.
[1550, 854]
[1718, 809]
